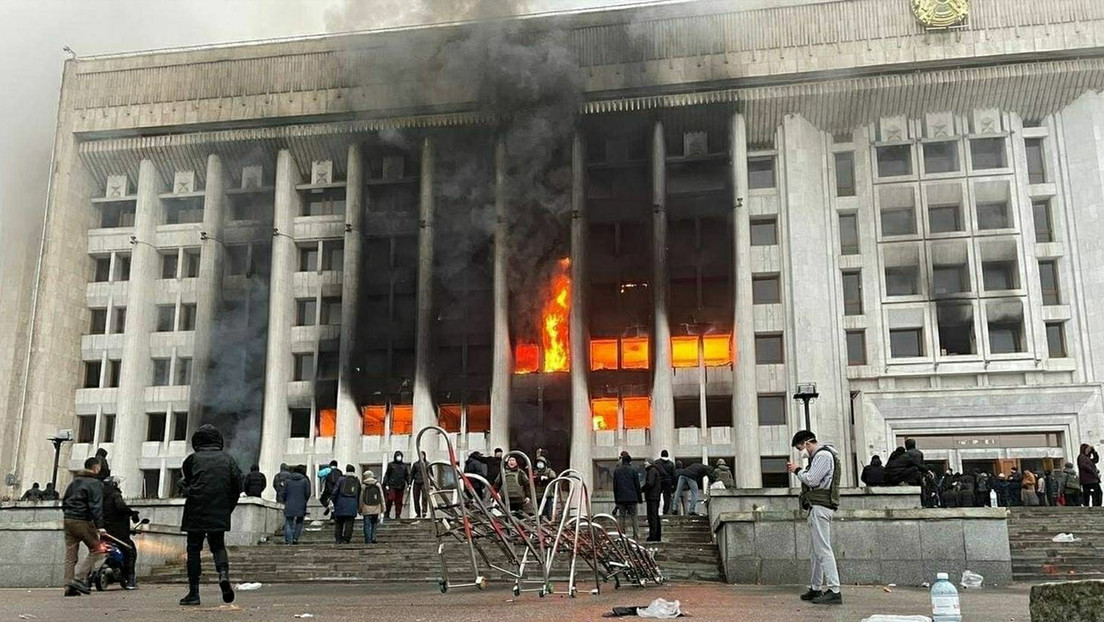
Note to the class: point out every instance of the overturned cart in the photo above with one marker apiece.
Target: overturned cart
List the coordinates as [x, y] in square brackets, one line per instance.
[557, 536]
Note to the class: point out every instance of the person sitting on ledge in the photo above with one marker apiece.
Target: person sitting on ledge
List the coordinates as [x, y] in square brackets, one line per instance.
[873, 474]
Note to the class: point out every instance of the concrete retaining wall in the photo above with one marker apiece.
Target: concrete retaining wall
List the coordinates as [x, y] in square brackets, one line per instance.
[785, 499]
[906, 547]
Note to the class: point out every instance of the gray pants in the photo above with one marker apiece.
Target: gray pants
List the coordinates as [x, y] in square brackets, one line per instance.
[825, 575]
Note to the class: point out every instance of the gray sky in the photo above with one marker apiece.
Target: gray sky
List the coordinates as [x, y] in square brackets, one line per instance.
[33, 33]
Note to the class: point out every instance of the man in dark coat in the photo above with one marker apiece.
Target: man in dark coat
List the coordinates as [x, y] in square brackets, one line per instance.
[667, 479]
[295, 494]
[33, 494]
[1013, 494]
[281, 477]
[329, 476]
[105, 468]
[254, 484]
[394, 484]
[117, 519]
[873, 474]
[901, 469]
[653, 494]
[474, 465]
[211, 484]
[50, 494]
[82, 510]
[626, 493]
[494, 468]
[1089, 474]
[346, 499]
[417, 488]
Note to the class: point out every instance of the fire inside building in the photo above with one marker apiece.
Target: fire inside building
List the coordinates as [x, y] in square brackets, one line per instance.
[630, 229]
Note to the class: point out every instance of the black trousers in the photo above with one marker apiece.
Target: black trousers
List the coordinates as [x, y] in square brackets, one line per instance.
[1090, 495]
[669, 499]
[655, 528]
[130, 557]
[343, 529]
[216, 541]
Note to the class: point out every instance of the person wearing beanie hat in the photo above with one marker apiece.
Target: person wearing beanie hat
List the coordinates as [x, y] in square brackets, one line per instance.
[820, 497]
[626, 493]
[294, 494]
[371, 505]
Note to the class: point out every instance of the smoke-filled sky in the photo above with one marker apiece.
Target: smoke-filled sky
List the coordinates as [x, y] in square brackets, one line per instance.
[33, 33]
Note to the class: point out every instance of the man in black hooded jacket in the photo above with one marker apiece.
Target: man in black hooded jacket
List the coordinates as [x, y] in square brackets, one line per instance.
[394, 484]
[255, 483]
[211, 485]
[117, 519]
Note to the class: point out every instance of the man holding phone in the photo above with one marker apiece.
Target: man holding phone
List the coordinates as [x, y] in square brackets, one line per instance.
[820, 497]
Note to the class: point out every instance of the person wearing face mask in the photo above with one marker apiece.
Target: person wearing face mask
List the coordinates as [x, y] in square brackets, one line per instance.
[542, 476]
[820, 497]
[394, 484]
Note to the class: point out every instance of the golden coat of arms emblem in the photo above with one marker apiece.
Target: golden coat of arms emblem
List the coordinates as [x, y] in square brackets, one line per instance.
[941, 13]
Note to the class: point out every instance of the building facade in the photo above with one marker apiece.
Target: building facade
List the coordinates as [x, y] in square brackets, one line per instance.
[633, 229]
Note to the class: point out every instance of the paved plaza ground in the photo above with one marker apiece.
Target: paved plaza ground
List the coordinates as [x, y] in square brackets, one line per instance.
[423, 603]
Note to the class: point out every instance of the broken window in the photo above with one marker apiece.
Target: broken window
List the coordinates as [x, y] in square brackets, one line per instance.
[955, 323]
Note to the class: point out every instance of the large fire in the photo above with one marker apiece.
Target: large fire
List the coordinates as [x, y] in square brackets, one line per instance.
[554, 353]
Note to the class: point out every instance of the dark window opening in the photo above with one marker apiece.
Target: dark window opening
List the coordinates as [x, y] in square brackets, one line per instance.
[155, 429]
[987, 153]
[955, 323]
[852, 293]
[764, 232]
[765, 290]
[999, 275]
[856, 347]
[772, 409]
[1048, 282]
[1036, 162]
[774, 472]
[894, 160]
[761, 172]
[1044, 229]
[300, 423]
[902, 281]
[86, 428]
[849, 234]
[906, 342]
[1056, 340]
[845, 174]
[945, 218]
[768, 349]
[941, 157]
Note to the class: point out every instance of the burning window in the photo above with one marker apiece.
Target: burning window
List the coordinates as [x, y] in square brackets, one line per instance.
[402, 419]
[371, 420]
[526, 358]
[327, 423]
[684, 351]
[718, 350]
[634, 353]
[554, 353]
[604, 413]
[603, 354]
[448, 417]
[479, 418]
[638, 413]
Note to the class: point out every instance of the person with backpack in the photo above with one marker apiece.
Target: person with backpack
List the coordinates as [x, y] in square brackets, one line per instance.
[327, 478]
[294, 494]
[346, 502]
[371, 505]
[1070, 486]
[395, 480]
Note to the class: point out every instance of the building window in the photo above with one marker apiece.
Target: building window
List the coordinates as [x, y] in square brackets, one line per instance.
[114, 370]
[86, 428]
[102, 272]
[772, 409]
[327, 365]
[119, 323]
[191, 263]
[92, 371]
[98, 323]
[950, 279]
[856, 347]
[906, 342]
[687, 413]
[168, 265]
[304, 311]
[993, 215]
[107, 428]
[999, 275]
[940, 157]
[768, 349]
[166, 318]
[898, 221]
[155, 427]
[1044, 231]
[718, 412]
[774, 472]
[151, 481]
[324, 203]
[1056, 340]
[160, 372]
[114, 215]
[849, 234]
[894, 160]
[237, 259]
[902, 281]
[303, 366]
[176, 476]
[308, 258]
[1048, 282]
[987, 153]
[765, 290]
[845, 174]
[761, 172]
[764, 232]
[852, 293]
[1006, 337]
[945, 219]
[1036, 163]
[955, 323]
[183, 372]
[180, 426]
[300, 423]
[122, 267]
[333, 255]
[331, 311]
[187, 317]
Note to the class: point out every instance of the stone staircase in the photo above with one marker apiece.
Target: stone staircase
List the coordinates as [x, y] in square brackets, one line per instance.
[1035, 558]
[407, 552]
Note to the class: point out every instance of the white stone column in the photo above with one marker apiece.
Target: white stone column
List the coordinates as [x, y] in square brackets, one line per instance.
[281, 315]
[141, 314]
[745, 403]
[424, 414]
[208, 284]
[348, 416]
[663, 400]
[582, 430]
[503, 360]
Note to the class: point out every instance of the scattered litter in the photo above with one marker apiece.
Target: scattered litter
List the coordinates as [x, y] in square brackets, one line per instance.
[27, 616]
[971, 580]
[662, 609]
[891, 618]
[304, 615]
[317, 523]
[892, 585]
[925, 584]
[248, 587]
[886, 589]
[1065, 537]
[510, 600]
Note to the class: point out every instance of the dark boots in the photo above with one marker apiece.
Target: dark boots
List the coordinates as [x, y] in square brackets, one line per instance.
[193, 593]
[131, 582]
[224, 585]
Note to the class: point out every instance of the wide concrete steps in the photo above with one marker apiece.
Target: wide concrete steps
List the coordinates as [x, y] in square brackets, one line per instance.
[1037, 558]
[406, 551]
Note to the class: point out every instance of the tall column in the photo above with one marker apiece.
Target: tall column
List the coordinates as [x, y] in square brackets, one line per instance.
[582, 430]
[130, 418]
[281, 315]
[423, 396]
[500, 379]
[208, 284]
[663, 399]
[745, 403]
[348, 418]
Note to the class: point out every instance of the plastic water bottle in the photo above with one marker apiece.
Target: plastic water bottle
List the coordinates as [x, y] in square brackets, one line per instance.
[993, 499]
[944, 597]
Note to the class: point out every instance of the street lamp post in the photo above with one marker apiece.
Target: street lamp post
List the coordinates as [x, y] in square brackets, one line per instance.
[806, 392]
[62, 437]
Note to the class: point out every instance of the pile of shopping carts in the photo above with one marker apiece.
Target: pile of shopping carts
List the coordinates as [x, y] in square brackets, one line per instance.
[541, 547]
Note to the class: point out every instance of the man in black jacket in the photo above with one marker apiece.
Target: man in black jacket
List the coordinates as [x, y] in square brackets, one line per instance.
[653, 492]
[417, 480]
[394, 484]
[82, 509]
[105, 468]
[255, 482]
[666, 470]
[626, 493]
[211, 485]
[117, 519]
[280, 479]
[873, 474]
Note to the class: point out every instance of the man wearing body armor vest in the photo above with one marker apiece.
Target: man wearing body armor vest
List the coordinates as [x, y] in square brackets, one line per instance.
[820, 498]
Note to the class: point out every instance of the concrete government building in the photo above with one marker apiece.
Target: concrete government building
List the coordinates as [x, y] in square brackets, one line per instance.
[623, 229]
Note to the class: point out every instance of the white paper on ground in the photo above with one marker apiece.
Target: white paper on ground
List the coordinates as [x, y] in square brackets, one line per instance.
[971, 580]
[1065, 537]
[247, 587]
[660, 609]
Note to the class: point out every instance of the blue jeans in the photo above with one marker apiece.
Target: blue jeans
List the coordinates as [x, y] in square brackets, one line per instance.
[293, 528]
[692, 484]
[371, 521]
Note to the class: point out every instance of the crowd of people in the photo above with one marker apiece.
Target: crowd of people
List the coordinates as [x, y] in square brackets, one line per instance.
[1068, 485]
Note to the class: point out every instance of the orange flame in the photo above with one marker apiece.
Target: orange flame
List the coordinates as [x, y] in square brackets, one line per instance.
[554, 338]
